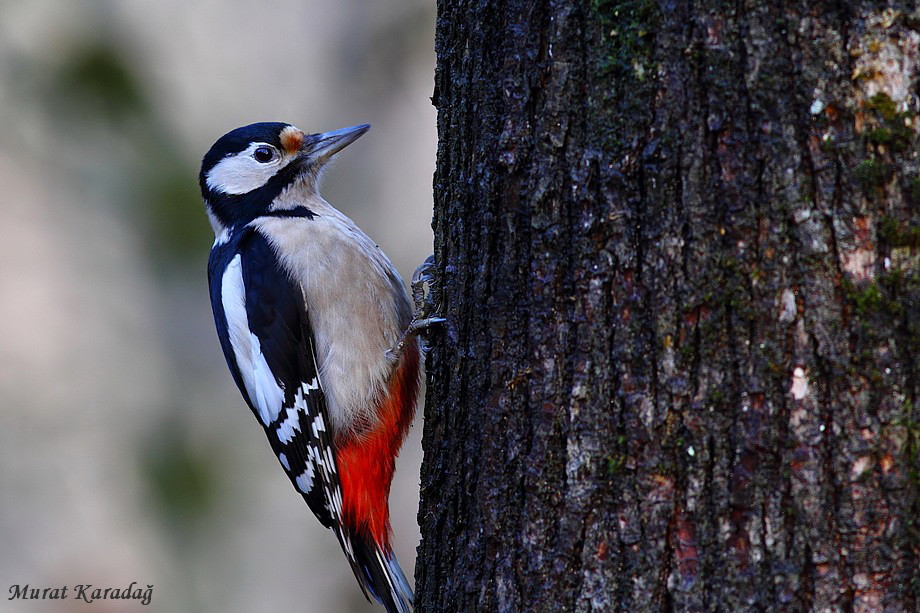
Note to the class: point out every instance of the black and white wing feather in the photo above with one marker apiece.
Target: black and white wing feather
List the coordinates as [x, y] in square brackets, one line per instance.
[265, 333]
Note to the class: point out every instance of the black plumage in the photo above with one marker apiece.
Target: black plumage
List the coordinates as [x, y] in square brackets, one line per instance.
[278, 317]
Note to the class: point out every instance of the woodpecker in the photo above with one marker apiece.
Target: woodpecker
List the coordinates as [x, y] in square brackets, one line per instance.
[319, 334]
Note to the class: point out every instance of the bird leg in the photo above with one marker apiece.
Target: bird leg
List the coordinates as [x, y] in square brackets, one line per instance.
[423, 295]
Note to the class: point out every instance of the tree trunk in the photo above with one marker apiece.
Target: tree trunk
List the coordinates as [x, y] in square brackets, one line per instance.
[678, 250]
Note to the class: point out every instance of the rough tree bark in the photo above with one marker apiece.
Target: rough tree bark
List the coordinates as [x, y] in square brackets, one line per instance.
[678, 245]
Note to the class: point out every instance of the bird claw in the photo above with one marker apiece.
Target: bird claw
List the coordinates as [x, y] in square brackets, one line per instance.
[423, 271]
[423, 295]
[422, 277]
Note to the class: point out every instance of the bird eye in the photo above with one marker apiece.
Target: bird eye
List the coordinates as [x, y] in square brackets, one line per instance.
[264, 155]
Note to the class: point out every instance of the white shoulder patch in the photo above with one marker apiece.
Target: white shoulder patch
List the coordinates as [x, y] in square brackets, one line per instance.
[261, 386]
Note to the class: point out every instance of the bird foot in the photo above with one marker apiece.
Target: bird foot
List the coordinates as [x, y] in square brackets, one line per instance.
[424, 297]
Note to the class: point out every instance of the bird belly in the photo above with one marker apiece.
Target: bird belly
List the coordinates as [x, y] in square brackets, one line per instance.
[358, 309]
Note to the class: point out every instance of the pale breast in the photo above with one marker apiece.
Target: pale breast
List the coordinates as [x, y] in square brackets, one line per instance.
[357, 304]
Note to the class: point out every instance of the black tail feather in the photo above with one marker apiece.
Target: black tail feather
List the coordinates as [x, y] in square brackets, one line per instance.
[379, 574]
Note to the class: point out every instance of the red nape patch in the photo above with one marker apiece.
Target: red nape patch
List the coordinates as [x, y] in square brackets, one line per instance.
[366, 463]
[291, 139]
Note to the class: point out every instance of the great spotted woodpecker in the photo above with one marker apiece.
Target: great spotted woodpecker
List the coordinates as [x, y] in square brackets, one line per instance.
[318, 332]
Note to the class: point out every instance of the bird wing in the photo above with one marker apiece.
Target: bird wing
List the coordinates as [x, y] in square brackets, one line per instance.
[265, 332]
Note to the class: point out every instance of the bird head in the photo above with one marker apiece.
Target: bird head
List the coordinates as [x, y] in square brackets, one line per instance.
[246, 170]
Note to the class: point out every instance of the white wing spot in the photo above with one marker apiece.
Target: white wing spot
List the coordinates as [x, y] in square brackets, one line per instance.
[337, 502]
[318, 425]
[305, 480]
[329, 462]
[284, 461]
[291, 424]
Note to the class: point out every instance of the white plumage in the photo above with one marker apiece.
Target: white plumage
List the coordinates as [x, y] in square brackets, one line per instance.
[260, 383]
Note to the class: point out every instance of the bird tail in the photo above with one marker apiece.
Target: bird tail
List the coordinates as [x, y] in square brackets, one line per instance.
[377, 571]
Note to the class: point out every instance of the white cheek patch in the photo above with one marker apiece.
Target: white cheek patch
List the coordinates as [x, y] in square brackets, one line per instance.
[241, 173]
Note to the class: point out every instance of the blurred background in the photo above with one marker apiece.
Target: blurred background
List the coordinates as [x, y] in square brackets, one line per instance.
[126, 452]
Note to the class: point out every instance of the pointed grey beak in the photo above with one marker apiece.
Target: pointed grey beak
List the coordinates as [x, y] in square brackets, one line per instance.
[318, 148]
